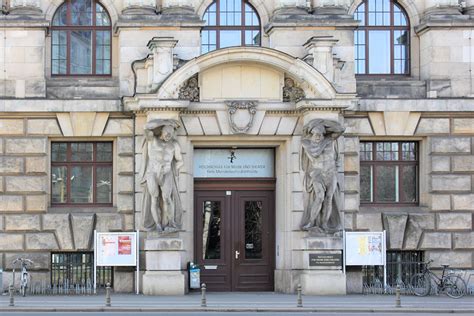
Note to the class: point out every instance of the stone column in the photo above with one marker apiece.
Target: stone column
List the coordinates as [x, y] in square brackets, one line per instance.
[25, 7]
[442, 7]
[139, 7]
[162, 50]
[321, 49]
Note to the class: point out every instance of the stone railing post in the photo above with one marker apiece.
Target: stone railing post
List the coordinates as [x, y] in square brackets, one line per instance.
[321, 49]
[138, 7]
[25, 7]
[442, 7]
[162, 50]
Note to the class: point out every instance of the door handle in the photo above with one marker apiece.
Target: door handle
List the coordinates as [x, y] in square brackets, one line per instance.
[237, 254]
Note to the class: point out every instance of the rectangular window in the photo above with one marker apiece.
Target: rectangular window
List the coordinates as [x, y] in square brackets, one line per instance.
[81, 173]
[401, 266]
[77, 268]
[389, 172]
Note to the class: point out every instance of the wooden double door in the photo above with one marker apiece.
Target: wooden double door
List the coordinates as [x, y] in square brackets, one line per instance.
[234, 234]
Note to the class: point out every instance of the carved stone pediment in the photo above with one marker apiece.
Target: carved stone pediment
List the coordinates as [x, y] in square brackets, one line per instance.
[241, 115]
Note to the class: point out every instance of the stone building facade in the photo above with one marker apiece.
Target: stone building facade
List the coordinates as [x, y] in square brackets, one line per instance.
[300, 63]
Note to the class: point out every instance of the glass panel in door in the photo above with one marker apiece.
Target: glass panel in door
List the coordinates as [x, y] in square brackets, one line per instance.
[211, 230]
[253, 229]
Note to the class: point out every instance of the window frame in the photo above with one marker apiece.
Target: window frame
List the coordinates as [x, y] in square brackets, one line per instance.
[69, 164]
[69, 28]
[374, 163]
[392, 28]
[242, 27]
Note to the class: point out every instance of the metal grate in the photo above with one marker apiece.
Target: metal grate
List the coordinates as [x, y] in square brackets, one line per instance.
[73, 269]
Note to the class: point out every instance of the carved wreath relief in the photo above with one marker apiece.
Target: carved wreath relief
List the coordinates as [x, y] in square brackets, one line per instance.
[241, 115]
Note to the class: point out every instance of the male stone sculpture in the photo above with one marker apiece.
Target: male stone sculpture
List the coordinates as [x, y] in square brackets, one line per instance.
[319, 162]
[161, 207]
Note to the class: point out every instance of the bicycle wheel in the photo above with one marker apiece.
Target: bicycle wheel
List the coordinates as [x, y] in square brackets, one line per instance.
[455, 286]
[421, 284]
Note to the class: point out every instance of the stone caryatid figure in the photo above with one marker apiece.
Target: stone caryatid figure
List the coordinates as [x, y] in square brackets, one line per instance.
[319, 159]
[161, 206]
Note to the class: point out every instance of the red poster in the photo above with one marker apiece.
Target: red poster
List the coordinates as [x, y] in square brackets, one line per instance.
[124, 245]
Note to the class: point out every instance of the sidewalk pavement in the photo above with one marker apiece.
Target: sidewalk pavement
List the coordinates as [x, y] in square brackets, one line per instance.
[241, 302]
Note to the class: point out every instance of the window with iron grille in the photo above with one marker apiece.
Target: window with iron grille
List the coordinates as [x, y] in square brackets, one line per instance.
[389, 172]
[77, 268]
[401, 266]
[81, 173]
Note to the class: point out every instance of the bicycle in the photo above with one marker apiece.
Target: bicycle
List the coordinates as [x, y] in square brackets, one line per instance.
[25, 276]
[452, 284]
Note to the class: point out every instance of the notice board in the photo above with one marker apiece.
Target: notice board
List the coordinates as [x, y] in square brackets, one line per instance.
[116, 249]
[365, 248]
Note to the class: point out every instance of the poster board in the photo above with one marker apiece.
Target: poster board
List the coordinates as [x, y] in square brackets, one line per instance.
[365, 248]
[116, 249]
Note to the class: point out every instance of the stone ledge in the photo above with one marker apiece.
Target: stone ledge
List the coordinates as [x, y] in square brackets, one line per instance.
[164, 244]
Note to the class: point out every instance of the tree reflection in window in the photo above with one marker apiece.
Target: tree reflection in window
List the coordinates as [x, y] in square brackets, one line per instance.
[211, 230]
[230, 23]
[253, 229]
[382, 40]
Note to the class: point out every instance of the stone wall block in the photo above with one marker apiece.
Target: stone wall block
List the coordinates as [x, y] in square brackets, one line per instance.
[22, 222]
[11, 242]
[11, 165]
[59, 223]
[395, 225]
[450, 145]
[43, 127]
[108, 222]
[440, 163]
[36, 165]
[11, 127]
[416, 224]
[454, 221]
[456, 259]
[26, 184]
[26, 146]
[358, 126]
[432, 126]
[369, 221]
[351, 163]
[125, 164]
[436, 240]
[440, 202]
[11, 203]
[41, 261]
[125, 184]
[463, 163]
[36, 203]
[1, 226]
[82, 227]
[125, 145]
[125, 203]
[351, 202]
[119, 127]
[1, 184]
[463, 126]
[463, 202]
[464, 240]
[41, 241]
[351, 183]
[351, 145]
[451, 182]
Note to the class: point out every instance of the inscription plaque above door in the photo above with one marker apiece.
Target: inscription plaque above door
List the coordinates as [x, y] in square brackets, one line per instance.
[234, 163]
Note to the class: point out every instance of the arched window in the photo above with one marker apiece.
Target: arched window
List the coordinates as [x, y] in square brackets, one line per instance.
[382, 40]
[230, 23]
[81, 39]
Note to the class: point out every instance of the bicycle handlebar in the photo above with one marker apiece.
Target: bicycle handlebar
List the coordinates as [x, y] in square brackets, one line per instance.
[22, 261]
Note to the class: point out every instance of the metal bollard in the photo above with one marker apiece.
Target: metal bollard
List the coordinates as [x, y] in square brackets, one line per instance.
[203, 295]
[398, 302]
[299, 301]
[107, 295]
[12, 299]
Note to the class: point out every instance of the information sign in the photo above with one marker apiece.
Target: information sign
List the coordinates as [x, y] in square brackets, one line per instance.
[365, 248]
[116, 249]
[325, 259]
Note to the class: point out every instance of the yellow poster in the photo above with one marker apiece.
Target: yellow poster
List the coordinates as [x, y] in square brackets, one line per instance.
[363, 245]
